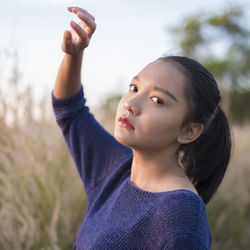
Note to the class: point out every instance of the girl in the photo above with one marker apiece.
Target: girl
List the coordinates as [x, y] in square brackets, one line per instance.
[148, 185]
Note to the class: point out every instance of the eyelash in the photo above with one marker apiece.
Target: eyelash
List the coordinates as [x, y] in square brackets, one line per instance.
[161, 102]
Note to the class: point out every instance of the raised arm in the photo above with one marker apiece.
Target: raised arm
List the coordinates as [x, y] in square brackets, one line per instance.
[68, 81]
[95, 152]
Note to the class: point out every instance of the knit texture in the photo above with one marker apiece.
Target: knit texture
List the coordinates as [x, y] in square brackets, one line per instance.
[119, 214]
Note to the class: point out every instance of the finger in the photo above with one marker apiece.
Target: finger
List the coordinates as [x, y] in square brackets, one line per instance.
[67, 34]
[89, 22]
[80, 32]
[77, 9]
[67, 37]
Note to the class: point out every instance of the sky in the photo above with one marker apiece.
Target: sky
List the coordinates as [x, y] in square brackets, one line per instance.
[129, 35]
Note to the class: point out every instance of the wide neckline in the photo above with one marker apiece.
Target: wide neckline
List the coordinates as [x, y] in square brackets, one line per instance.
[146, 192]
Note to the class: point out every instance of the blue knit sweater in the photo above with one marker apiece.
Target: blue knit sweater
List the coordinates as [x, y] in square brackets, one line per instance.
[119, 214]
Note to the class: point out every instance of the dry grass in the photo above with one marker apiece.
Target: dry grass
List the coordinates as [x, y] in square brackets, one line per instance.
[42, 202]
[229, 210]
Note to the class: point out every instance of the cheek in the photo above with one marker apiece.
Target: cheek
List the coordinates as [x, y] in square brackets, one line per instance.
[161, 123]
[160, 129]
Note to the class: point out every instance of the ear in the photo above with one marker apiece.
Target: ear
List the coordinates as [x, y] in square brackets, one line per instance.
[190, 132]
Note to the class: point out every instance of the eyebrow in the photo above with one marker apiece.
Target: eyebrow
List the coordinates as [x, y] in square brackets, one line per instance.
[164, 91]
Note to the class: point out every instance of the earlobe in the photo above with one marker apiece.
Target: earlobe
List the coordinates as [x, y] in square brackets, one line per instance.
[190, 133]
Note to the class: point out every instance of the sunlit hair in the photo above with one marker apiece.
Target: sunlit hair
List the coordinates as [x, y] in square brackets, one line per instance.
[206, 159]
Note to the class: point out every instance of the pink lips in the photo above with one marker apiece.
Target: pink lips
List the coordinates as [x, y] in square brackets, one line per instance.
[125, 122]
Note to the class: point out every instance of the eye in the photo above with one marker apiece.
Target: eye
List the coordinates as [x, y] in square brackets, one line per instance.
[133, 88]
[157, 100]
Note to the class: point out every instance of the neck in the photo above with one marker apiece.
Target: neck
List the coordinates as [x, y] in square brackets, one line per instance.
[151, 169]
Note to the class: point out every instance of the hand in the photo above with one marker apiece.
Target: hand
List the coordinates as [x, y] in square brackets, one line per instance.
[76, 40]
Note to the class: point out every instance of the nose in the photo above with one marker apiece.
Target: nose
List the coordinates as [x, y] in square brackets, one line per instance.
[131, 107]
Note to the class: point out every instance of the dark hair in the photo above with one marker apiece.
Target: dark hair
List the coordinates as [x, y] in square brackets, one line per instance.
[206, 159]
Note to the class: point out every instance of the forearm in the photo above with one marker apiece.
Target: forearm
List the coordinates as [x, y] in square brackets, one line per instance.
[68, 81]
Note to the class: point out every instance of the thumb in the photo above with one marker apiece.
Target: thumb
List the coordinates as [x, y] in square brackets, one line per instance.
[67, 37]
[67, 34]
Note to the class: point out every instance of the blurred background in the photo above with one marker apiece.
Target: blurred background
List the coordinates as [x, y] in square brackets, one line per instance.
[42, 201]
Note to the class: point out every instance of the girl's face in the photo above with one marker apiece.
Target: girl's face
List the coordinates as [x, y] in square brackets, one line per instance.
[155, 106]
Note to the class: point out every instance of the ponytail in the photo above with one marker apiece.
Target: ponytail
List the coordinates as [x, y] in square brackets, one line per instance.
[206, 159]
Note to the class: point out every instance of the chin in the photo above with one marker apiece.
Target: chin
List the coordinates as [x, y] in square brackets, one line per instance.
[123, 140]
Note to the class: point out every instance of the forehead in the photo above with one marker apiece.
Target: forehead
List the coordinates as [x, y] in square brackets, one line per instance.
[164, 74]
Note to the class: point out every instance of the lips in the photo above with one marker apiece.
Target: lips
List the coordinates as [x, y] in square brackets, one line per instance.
[125, 122]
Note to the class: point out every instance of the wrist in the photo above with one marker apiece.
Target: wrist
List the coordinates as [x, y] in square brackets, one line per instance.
[76, 57]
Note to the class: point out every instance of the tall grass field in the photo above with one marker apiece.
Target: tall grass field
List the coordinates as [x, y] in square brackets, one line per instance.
[42, 201]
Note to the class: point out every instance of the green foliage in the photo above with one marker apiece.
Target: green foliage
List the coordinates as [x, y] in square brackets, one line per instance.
[191, 34]
[229, 21]
[221, 42]
[216, 66]
[240, 103]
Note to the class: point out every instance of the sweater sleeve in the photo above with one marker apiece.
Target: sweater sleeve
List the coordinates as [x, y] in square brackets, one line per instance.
[182, 241]
[92, 148]
[186, 224]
